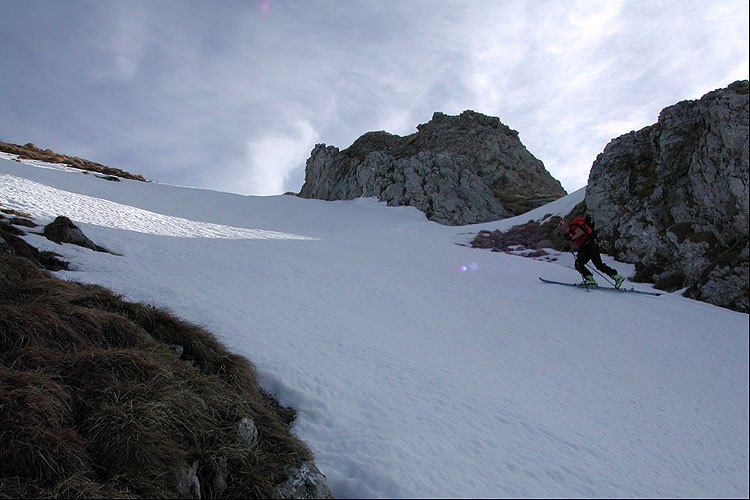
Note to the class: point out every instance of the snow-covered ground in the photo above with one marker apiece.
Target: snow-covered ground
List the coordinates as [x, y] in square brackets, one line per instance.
[420, 367]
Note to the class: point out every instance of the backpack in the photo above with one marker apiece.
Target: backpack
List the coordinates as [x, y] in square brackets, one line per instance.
[586, 225]
[589, 221]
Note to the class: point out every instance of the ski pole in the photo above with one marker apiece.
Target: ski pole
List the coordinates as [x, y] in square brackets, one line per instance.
[602, 275]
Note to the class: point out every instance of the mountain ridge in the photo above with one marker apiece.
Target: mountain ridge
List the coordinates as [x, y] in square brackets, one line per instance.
[463, 169]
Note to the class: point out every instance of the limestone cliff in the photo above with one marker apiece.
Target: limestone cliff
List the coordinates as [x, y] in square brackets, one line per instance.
[459, 170]
[673, 198]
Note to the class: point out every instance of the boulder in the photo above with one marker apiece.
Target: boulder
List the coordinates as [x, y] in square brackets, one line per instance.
[458, 170]
[247, 433]
[188, 484]
[305, 481]
[673, 198]
[62, 230]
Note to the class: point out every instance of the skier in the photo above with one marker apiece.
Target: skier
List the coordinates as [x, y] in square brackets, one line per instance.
[582, 232]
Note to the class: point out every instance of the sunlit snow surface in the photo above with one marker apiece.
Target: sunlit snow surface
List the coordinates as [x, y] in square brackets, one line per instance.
[420, 367]
[43, 201]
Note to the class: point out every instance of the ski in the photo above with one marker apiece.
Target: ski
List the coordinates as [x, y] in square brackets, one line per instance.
[603, 288]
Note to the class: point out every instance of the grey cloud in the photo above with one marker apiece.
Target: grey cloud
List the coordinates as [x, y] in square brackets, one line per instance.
[221, 95]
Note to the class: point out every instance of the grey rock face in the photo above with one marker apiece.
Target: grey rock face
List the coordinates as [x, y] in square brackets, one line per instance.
[188, 484]
[459, 170]
[247, 433]
[62, 230]
[673, 198]
[305, 481]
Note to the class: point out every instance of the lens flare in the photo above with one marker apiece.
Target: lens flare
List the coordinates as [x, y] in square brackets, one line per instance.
[472, 266]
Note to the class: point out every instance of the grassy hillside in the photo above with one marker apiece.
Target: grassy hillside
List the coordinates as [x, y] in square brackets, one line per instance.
[101, 397]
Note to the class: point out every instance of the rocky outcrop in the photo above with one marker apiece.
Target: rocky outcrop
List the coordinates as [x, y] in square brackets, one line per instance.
[458, 170]
[673, 198]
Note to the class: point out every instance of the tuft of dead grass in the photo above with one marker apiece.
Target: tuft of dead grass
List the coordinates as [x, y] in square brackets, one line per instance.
[11, 242]
[96, 402]
[37, 441]
[17, 213]
[22, 221]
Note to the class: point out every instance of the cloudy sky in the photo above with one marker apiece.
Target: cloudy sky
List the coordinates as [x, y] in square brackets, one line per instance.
[233, 95]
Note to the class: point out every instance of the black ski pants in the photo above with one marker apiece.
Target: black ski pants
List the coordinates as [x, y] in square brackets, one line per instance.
[590, 252]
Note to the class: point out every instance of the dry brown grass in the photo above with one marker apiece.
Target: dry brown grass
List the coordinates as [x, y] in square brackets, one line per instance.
[10, 240]
[518, 204]
[529, 235]
[21, 221]
[31, 152]
[96, 403]
[11, 211]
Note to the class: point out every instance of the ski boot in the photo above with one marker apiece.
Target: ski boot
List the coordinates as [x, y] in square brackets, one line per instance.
[618, 280]
[589, 281]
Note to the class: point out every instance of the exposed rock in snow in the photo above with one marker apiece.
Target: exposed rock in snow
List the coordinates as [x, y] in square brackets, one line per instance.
[62, 230]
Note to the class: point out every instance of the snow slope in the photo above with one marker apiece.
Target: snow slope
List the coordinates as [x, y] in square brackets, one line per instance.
[420, 367]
